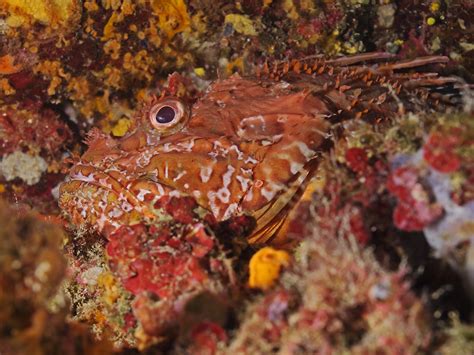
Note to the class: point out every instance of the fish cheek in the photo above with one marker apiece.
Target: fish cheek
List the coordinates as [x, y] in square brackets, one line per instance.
[260, 127]
[133, 142]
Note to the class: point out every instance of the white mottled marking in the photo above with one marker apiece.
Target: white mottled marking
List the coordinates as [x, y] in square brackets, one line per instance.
[127, 207]
[141, 194]
[180, 175]
[270, 190]
[186, 145]
[226, 178]
[105, 183]
[249, 120]
[205, 173]
[246, 171]
[249, 195]
[166, 170]
[277, 137]
[244, 182]
[250, 160]
[167, 147]
[282, 118]
[232, 209]
[160, 189]
[116, 212]
[295, 167]
[223, 194]
[304, 149]
[146, 158]
[211, 195]
[240, 155]
[81, 177]
[175, 193]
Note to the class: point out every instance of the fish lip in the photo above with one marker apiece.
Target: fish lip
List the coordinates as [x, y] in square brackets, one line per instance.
[88, 174]
[100, 180]
[121, 186]
[89, 179]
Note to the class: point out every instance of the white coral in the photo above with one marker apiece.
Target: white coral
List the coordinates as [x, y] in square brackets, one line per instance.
[454, 229]
[24, 166]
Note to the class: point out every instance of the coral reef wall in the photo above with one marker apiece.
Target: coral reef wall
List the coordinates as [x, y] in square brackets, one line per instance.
[382, 252]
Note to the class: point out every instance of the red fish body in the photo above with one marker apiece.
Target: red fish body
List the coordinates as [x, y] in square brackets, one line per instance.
[247, 146]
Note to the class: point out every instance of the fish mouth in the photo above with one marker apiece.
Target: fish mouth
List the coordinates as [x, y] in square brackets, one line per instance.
[99, 199]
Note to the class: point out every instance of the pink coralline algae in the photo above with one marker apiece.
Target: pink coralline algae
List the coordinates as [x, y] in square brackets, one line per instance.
[440, 151]
[156, 261]
[333, 213]
[447, 151]
[206, 338]
[33, 142]
[415, 208]
[30, 126]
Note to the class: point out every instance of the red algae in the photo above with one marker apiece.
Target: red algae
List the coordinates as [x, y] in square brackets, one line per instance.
[439, 151]
[414, 210]
[163, 267]
[33, 140]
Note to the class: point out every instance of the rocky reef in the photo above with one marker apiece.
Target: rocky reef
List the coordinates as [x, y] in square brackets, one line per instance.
[33, 311]
[381, 252]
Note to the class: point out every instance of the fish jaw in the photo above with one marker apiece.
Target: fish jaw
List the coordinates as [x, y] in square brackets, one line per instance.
[105, 201]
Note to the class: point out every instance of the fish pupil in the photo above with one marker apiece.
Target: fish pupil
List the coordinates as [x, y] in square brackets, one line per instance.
[166, 114]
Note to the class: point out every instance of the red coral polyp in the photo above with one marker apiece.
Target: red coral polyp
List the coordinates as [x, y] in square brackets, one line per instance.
[201, 243]
[206, 337]
[164, 277]
[180, 208]
[439, 152]
[154, 260]
[412, 218]
[357, 159]
[357, 226]
[401, 182]
[414, 210]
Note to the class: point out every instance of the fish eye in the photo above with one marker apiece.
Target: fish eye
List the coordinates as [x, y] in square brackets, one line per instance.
[168, 116]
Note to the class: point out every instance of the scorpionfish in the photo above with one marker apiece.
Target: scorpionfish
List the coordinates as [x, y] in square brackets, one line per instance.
[248, 145]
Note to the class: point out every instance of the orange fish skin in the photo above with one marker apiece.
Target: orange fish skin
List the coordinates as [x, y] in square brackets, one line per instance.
[247, 146]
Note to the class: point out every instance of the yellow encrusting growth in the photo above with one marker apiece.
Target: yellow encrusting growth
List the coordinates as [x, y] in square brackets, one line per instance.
[200, 71]
[46, 11]
[8, 66]
[6, 88]
[265, 267]
[121, 127]
[109, 285]
[435, 6]
[242, 24]
[172, 16]
[431, 21]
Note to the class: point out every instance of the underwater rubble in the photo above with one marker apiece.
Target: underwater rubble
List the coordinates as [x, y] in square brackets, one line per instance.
[382, 257]
[33, 311]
